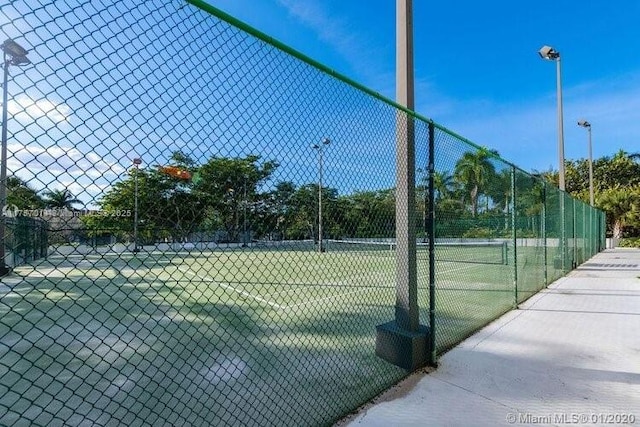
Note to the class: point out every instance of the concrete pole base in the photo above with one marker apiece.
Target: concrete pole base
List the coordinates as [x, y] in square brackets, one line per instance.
[406, 349]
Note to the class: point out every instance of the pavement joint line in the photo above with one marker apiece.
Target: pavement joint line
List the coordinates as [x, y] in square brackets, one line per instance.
[231, 288]
[476, 394]
[517, 314]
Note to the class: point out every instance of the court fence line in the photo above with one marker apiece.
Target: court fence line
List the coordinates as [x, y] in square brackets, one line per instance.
[169, 170]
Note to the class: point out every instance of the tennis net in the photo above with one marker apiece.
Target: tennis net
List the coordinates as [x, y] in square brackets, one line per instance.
[479, 252]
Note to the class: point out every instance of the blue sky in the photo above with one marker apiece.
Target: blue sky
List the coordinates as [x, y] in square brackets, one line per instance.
[115, 80]
[476, 65]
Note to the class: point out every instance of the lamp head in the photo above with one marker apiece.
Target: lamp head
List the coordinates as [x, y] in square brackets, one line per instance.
[547, 52]
[17, 54]
[137, 161]
[326, 141]
[584, 123]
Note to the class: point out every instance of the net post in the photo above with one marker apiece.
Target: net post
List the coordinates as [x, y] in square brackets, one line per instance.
[431, 223]
[514, 236]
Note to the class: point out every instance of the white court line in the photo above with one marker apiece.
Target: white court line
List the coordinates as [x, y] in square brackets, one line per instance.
[456, 269]
[327, 298]
[231, 288]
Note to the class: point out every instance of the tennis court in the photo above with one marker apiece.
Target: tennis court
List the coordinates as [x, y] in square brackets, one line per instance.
[188, 132]
[116, 336]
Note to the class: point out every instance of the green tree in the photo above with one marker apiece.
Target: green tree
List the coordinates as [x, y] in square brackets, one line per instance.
[620, 170]
[369, 214]
[62, 199]
[473, 171]
[622, 207]
[167, 207]
[21, 195]
[228, 186]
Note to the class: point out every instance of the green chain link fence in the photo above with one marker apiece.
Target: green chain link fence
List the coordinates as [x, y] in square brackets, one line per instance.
[218, 237]
[26, 240]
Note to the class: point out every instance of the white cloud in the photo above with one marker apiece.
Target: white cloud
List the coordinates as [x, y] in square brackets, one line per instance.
[352, 46]
[25, 109]
[59, 160]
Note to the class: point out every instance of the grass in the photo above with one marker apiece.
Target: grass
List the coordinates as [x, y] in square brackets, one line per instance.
[219, 337]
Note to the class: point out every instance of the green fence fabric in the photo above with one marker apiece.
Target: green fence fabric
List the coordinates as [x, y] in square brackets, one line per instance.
[26, 240]
[218, 242]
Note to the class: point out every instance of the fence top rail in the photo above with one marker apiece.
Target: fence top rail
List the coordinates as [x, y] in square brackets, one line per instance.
[308, 60]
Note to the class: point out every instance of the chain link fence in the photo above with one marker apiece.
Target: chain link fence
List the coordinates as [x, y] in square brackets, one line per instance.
[215, 241]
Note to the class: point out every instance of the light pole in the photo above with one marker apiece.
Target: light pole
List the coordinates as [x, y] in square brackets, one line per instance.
[13, 54]
[586, 124]
[136, 162]
[549, 53]
[320, 148]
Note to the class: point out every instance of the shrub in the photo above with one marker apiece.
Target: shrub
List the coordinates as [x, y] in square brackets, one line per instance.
[630, 242]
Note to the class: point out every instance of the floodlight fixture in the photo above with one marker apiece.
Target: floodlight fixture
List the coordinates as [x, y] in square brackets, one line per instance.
[16, 53]
[583, 123]
[547, 52]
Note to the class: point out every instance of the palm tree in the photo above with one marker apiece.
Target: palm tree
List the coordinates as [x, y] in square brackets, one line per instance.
[20, 194]
[622, 205]
[443, 182]
[474, 171]
[61, 199]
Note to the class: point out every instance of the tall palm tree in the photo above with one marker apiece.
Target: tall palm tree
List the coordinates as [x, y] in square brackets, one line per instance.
[473, 171]
[62, 199]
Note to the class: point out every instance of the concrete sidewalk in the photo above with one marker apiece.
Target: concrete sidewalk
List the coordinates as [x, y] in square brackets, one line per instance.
[569, 355]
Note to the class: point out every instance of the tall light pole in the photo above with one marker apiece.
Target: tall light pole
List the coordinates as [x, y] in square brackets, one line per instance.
[136, 162]
[13, 54]
[587, 125]
[549, 53]
[320, 148]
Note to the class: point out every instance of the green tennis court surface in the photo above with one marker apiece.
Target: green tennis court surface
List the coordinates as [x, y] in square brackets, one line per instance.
[116, 335]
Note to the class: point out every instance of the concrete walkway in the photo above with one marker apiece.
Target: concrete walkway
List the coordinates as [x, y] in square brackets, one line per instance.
[569, 355]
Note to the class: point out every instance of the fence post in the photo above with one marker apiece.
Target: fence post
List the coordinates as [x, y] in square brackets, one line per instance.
[432, 249]
[544, 233]
[514, 236]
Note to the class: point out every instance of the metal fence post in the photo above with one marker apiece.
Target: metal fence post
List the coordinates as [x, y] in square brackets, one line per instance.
[544, 233]
[514, 236]
[432, 249]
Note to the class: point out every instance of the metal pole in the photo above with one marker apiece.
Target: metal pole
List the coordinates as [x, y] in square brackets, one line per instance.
[591, 194]
[320, 248]
[514, 237]
[403, 341]
[3, 168]
[560, 124]
[544, 232]
[561, 180]
[244, 213]
[427, 195]
[430, 196]
[135, 213]
[136, 163]
[407, 315]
